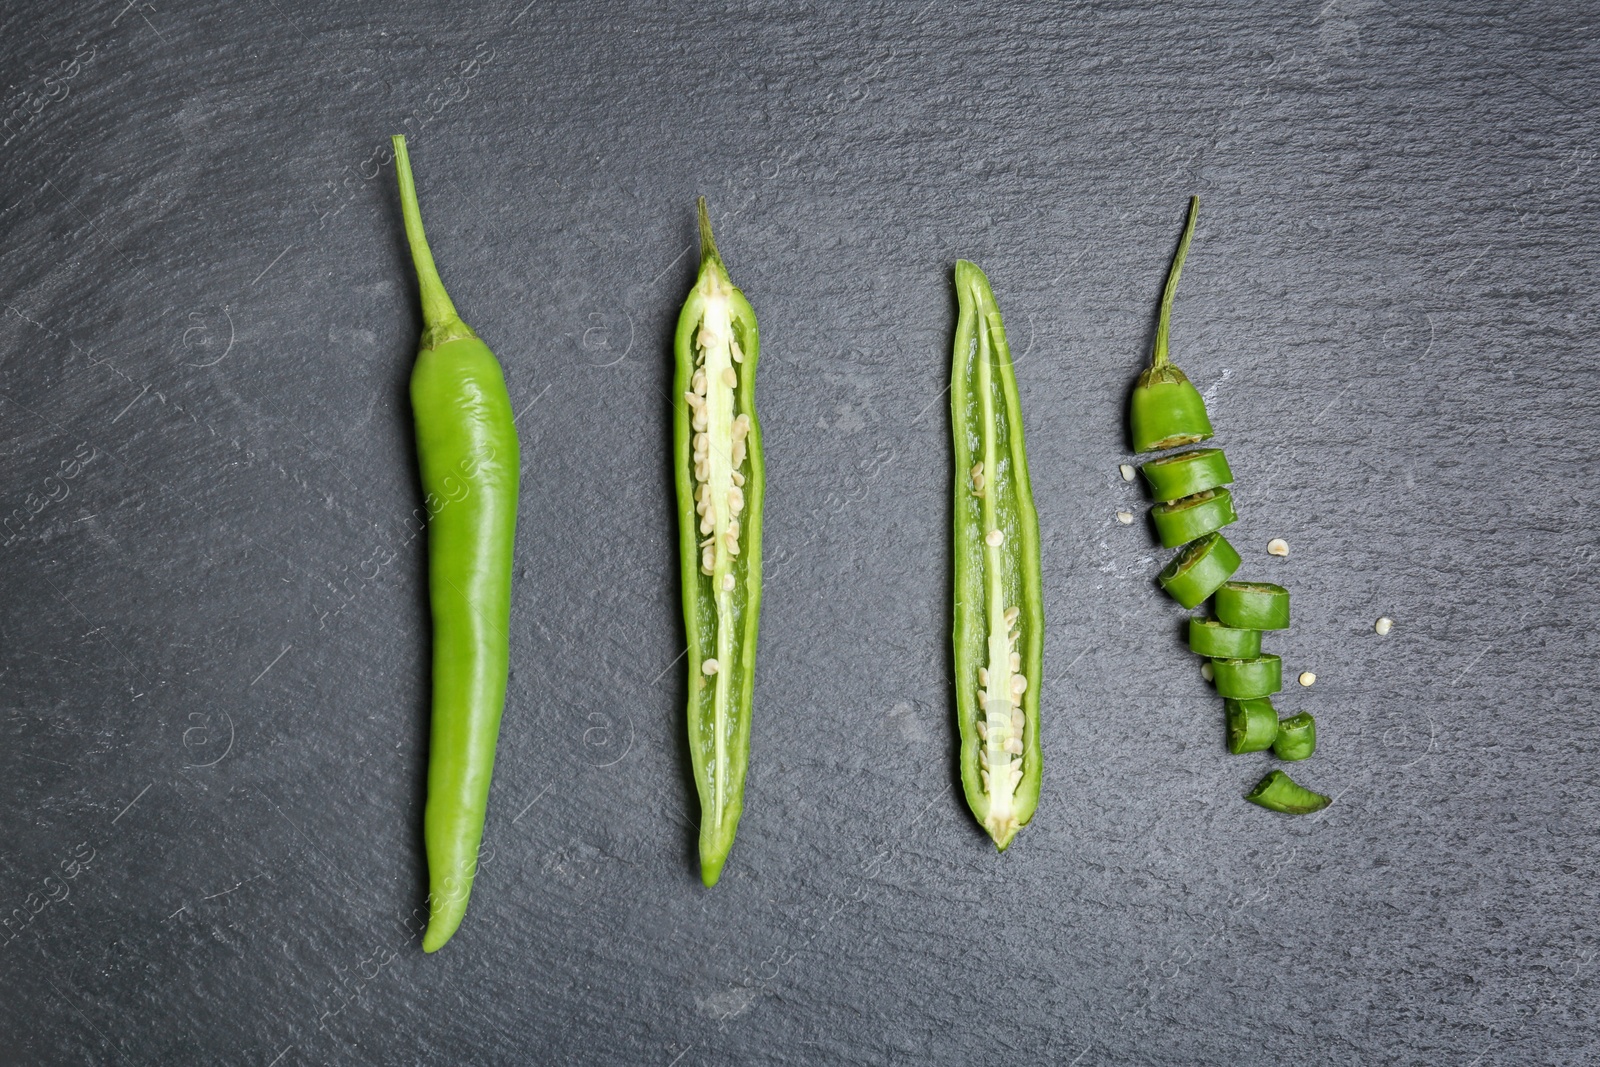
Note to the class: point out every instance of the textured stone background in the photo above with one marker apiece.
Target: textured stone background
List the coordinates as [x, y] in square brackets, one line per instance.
[213, 622]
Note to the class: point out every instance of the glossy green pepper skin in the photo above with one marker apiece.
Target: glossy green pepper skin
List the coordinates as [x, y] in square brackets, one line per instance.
[721, 479]
[469, 460]
[1165, 410]
[998, 630]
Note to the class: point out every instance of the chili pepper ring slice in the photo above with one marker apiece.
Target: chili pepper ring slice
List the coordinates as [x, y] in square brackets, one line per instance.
[1186, 473]
[1241, 679]
[1252, 605]
[1197, 570]
[1297, 737]
[1208, 637]
[1181, 521]
[998, 624]
[1252, 724]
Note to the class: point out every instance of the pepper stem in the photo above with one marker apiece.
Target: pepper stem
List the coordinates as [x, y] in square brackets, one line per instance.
[1160, 357]
[437, 310]
[708, 244]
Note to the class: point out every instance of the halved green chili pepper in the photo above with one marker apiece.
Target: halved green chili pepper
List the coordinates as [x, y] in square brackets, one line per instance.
[721, 479]
[1208, 637]
[1186, 473]
[999, 614]
[1241, 679]
[1181, 521]
[1197, 570]
[468, 456]
[1297, 737]
[1166, 410]
[1281, 793]
[1252, 605]
[1252, 724]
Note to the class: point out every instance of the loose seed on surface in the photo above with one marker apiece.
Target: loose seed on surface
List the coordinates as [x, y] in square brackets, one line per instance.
[1125, 517]
[1277, 547]
[1206, 672]
[1383, 625]
[1307, 678]
[1126, 470]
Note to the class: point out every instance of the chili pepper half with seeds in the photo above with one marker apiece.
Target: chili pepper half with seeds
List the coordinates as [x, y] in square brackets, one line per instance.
[999, 617]
[721, 477]
[468, 457]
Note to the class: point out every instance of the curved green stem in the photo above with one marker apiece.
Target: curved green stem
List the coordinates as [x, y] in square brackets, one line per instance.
[437, 310]
[1167, 295]
[708, 243]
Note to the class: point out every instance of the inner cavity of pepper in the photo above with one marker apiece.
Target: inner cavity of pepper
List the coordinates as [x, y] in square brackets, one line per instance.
[720, 431]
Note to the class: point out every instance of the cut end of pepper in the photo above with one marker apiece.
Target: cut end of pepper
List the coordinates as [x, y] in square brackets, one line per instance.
[711, 869]
[1278, 792]
[1003, 831]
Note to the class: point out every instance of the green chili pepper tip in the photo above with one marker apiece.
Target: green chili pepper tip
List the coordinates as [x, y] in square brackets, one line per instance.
[1278, 792]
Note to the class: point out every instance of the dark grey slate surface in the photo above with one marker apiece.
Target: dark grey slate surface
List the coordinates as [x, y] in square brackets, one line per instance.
[213, 621]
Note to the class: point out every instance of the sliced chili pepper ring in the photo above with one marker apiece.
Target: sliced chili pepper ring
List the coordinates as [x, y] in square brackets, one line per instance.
[1252, 605]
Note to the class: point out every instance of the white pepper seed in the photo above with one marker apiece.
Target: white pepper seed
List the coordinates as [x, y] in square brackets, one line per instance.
[984, 775]
[1206, 671]
[693, 400]
[733, 543]
[738, 479]
[1019, 721]
[983, 677]
[1277, 547]
[729, 378]
[977, 470]
[983, 730]
[983, 758]
[707, 561]
[1126, 470]
[698, 382]
[983, 701]
[710, 666]
[1383, 625]
[1013, 746]
[699, 420]
[727, 583]
[977, 484]
[733, 529]
[1019, 684]
[1011, 615]
[994, 538]
[738, 453]
[1016, 661]
[1307, 678]
[736, 500]
[1125, 517]
[735, 351]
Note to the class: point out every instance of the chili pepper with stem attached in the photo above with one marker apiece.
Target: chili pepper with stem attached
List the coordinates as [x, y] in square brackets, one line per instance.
[1166, 410]
[721, 479]
[469, 461]
[1279, 792]
[999, 615]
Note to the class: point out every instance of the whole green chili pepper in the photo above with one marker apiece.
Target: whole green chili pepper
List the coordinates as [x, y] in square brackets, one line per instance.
[1254, 605]
[1281, 793]
[717, 440]
[1198, 568]
[1166, 411]
[1241, 679]
[999, 615]
[1252, 724]
[1297, 737]
[1183, 520]
[1186, 473]
[1208, 637]
[469, 461]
